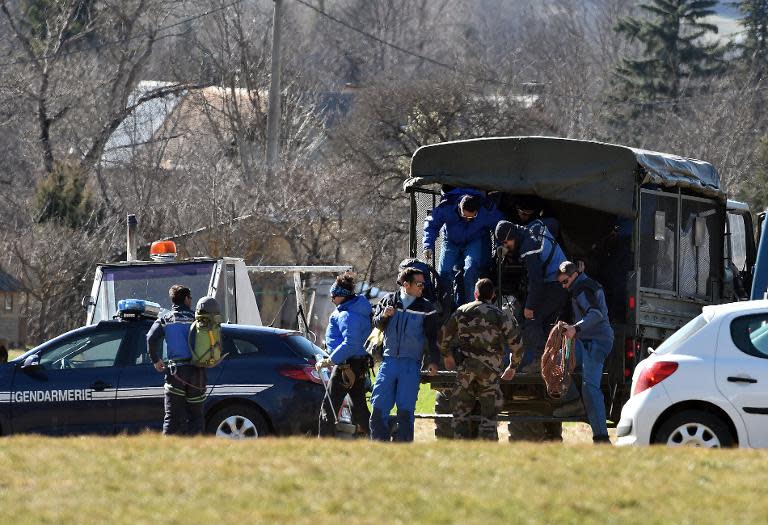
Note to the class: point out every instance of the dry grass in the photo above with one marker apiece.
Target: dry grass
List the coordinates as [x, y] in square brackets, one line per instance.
[149, 479]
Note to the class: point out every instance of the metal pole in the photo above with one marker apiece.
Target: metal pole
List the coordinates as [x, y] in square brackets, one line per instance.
[131, 246]
[273, 116]
[300, 301]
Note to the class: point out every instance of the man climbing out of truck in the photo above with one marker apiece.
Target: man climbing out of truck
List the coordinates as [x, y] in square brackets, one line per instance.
[484, 333]
[545, 298]
[529, 213]
[594, 342]
[466, 218]
[410, 324]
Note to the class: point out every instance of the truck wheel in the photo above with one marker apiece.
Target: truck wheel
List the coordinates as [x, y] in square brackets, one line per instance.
[443, 427]
[694, 428]
[238, 422]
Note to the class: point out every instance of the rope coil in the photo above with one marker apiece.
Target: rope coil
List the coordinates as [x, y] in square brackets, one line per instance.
[558, 362]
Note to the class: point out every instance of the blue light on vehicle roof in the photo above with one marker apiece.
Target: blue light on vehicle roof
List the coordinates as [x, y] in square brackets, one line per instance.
[135, 308]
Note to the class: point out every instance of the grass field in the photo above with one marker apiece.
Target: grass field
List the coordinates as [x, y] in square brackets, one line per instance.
[149, 479]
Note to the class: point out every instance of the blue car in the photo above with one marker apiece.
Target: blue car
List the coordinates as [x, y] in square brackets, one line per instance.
[99, 379]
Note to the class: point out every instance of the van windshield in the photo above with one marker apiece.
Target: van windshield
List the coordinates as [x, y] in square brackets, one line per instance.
[683, 334]
[150, 282]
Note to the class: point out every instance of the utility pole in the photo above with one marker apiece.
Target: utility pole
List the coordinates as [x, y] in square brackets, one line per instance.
[273, 116]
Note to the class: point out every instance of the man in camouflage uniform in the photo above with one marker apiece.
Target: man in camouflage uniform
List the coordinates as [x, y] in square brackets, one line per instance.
[483, 330]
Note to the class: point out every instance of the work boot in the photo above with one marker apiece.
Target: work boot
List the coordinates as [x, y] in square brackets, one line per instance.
[572, 409]
[601, 440]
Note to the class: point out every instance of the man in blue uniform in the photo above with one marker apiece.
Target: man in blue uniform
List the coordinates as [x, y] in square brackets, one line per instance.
[545, 298]
[594, 341]
[348, 328]
[410, 324]
[184, 384]
[466, 219]
[529, 213]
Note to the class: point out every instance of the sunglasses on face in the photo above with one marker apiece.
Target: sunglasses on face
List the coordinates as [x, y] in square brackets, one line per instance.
[419, 284]
[564, 282]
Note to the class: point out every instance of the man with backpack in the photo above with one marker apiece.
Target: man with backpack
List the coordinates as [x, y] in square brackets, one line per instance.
[466, 218]
[410, 324]
[185, 381]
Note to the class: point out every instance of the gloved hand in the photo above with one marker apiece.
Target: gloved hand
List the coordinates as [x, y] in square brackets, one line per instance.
[427, 254]
[323, 363]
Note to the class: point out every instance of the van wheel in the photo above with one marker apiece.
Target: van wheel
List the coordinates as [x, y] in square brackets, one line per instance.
[238, 422]
[694, 428]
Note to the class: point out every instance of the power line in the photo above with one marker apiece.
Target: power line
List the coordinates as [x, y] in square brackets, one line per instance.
[144, 34]
[659, 102]
[397, 47]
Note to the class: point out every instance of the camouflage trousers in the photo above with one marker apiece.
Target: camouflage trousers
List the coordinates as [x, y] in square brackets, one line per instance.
[476, 383]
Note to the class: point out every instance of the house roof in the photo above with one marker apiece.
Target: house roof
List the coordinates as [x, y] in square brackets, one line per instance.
[172, 119]
[141, 125]
[8, 283]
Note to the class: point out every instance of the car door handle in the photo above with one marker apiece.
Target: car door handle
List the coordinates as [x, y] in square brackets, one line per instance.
[100, 385]
[735, 379]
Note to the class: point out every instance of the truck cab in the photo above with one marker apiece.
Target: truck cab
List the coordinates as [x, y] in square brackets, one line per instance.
[224, 278]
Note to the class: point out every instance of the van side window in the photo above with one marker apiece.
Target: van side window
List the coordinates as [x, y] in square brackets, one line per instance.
[750, 334]
[700, 241]
[738, 240]
[658, 237]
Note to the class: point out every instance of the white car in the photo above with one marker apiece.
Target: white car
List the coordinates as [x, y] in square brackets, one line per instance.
[705, 386]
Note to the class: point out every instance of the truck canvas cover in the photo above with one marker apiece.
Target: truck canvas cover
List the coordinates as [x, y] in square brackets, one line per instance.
[585, 173]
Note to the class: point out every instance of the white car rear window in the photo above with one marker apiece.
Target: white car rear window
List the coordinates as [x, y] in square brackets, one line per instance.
[684, 333]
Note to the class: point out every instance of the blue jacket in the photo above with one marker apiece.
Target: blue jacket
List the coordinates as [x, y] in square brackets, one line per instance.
[174, 328]
[408, 331]
[590, 312]
[542, 256]
[348, 328]
[457, 229]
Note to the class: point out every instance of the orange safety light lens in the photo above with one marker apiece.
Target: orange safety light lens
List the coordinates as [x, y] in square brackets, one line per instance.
[166, 248]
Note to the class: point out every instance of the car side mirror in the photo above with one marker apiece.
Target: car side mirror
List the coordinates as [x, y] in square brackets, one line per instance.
[31, 363]
[87, 301]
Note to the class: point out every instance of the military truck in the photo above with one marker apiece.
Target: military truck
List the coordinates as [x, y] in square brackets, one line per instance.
[655, 229]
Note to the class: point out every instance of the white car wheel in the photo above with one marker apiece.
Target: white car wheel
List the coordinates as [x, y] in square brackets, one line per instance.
[693, 435]
[694, 428]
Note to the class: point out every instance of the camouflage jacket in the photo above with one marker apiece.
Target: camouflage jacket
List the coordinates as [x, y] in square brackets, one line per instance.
[484, 332]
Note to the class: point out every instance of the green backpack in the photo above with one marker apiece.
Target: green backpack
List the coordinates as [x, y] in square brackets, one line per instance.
[205, 334]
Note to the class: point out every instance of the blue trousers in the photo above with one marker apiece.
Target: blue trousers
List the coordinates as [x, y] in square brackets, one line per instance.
[592, 355]
[470, 257]
[397, 383]
[536, 330]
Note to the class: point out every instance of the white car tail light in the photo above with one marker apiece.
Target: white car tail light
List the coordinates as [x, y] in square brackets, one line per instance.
[653, 374]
